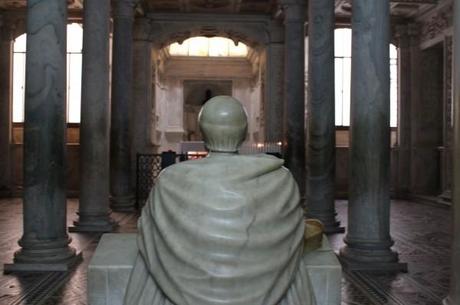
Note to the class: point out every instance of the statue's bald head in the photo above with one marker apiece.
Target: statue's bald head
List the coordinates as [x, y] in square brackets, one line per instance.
[224, 123]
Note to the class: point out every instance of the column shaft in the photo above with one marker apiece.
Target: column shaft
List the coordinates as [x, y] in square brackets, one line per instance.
[454, 293]
[321, 115]
[121, 182]
[6, 54]
[45, 239]
[94, 128]
[294, 88]
[446, 149]
[143, 94]
[274, 102]
[404, 109]
[368, 241]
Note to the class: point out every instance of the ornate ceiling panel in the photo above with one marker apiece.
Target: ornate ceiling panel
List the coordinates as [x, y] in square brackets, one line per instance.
[12, 4]
[399, 8]
[20, 4]
[209, 6]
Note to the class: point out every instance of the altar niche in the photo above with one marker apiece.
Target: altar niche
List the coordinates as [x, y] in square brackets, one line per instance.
[196, 93]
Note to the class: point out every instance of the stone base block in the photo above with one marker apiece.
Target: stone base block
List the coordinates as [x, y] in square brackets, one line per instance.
[123, 204]
[352, 265]
[48, 267]
[111, 265]
[334, 229]
[331, 225]
[325, 274]
[103, 227]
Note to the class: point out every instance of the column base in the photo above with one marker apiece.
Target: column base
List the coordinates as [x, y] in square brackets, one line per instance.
[27, 261]
[351, 265]
[445, 197]
[334, 229]
[376, 260]
[124, 204]
[331, 225]
[90, 223]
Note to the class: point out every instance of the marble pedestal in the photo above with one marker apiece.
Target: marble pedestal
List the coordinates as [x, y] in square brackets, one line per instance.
[111, 265]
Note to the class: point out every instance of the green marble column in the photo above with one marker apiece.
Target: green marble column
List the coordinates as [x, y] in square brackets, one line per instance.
[294, 89]
[321, 115]
[368, 240]
[454, 293]
[45, 243]
[121, 180]
[95, 121]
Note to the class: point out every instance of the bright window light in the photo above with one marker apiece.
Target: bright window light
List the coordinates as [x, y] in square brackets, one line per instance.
[208, 47]
[19, 78]
[218, 46]
[74, 64]
[343, 79]
[179, 49]
[239, 50]
[198, 46]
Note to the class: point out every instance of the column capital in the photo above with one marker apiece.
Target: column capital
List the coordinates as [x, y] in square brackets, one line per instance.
[294, 10]
[124, 8]
[411, 30]
[8, 28]
[8, 33]
[142, 29]
[405, 34]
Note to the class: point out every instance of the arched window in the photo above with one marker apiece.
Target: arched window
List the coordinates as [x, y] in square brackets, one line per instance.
[208, 47]
[74, 62]
[343, 79]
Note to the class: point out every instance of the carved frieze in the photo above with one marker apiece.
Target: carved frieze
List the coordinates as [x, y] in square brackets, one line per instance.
[436, 24]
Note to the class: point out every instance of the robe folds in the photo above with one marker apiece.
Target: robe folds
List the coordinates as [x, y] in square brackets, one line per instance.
[224, 230]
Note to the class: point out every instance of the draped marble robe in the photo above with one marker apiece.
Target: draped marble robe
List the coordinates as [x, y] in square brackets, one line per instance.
[227, 229]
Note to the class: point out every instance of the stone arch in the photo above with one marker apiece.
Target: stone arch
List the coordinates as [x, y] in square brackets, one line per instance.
[253, 34]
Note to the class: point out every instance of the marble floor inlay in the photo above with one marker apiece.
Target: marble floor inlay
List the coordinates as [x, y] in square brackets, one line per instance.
[422, 237]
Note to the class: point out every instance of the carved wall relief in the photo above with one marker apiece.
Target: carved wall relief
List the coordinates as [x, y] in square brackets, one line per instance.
[435, 26]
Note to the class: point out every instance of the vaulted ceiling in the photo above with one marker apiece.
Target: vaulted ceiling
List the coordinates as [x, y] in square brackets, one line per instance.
[399, 8]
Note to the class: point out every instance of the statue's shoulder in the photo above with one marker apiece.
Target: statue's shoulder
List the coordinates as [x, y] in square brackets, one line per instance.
[182, 168]
[224, 167]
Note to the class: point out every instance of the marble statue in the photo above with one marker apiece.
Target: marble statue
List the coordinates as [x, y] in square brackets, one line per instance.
[226, 229]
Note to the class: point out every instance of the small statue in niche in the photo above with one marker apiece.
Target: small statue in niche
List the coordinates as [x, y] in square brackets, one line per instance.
[226, 229]
[207, 96]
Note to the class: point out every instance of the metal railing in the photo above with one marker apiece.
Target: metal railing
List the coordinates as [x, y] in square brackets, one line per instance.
[148, 168]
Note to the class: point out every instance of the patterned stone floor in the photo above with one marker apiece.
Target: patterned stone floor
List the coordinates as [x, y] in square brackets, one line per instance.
[421, 233]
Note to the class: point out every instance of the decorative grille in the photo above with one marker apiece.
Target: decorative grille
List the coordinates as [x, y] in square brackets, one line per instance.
[148, 168]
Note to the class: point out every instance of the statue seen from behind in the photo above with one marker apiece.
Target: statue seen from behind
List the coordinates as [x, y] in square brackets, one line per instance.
[227, 229]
